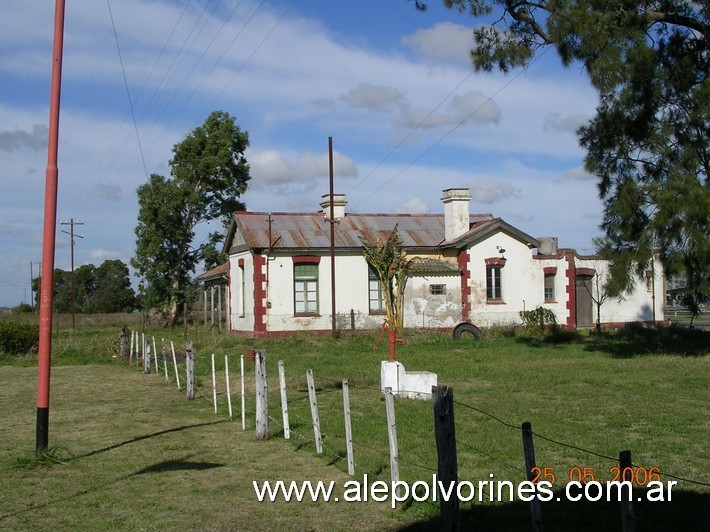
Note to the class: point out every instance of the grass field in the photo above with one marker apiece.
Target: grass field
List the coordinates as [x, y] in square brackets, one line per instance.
[137, 454]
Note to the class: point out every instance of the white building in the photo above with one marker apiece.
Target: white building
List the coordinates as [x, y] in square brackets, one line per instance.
[470, 267]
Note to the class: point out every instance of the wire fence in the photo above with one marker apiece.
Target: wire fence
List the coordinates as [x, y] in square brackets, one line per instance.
[481, 454]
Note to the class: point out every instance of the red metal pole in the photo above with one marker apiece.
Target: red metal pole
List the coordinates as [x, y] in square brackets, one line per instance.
[49, 235]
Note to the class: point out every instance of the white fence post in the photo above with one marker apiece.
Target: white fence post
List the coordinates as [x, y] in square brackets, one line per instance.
[314, 411]
[244, 419]
[146, 357]
[190, 369]
[262, 390]
[229, 390]
[214, 386]
[155, 355]
[177, 375]
[130, 358]
[392, 433]
[348, 428]
[165, 360]
[284, 403]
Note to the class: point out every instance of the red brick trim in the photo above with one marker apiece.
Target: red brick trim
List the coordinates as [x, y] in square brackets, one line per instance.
[585, 272]
[240, 263]
[306, 259]
[259, 293]
[463, 260]
[550, 270]
[495, 261]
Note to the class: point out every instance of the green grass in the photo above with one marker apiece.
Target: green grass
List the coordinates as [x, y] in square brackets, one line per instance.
[640, 389]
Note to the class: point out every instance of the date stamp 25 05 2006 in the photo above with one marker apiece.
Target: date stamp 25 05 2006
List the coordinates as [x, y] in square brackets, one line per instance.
[640, 476]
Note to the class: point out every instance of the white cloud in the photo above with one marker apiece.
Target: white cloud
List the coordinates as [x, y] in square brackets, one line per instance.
[274, 167]
[19, 140]
[569, 123]
[373, 97]
[578, 173]
[412, 206]
[486, 191]
[445, 41]
[477, 107]
[108, 191]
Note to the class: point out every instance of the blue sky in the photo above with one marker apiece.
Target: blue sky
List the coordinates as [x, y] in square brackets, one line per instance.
[392, 86]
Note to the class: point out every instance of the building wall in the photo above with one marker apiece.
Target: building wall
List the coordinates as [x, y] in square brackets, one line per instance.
[637, 305]
[424, 309]
[522, 280]
[241, 304]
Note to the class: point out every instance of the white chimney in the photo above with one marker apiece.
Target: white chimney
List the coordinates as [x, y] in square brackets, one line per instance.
[339, 204]
[456, 215]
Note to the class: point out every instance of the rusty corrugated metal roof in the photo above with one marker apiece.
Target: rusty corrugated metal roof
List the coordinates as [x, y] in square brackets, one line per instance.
[215, 273]
[264, 230]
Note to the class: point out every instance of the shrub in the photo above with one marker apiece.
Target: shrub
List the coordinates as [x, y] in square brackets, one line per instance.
[18, 338]
[537, 320]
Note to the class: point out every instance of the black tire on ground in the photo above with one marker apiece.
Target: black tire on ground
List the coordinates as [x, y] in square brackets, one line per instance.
[467, 330]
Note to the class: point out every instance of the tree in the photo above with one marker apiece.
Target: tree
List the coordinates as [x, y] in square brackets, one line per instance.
[392, 267]
[113, 288]
[106, 289]
[85, 287]
[208, 175]
[62, 291]
[648, 143]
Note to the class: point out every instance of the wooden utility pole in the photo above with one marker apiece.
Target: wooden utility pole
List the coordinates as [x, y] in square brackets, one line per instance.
[71, 234]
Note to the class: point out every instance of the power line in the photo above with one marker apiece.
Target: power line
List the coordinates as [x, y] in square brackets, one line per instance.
[445, 135]
[128, 91]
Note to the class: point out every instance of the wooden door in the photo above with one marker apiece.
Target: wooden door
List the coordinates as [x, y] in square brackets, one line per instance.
[584, 303]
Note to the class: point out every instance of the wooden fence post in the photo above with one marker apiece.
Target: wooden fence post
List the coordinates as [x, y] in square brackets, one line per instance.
[284, 402]
[262, 389]
[392, 436]
[348, 428]
[314, 411]
[123, 342]
[445, 433]
[146, 357]
[529, 453]
[628, 519]
[190, 368]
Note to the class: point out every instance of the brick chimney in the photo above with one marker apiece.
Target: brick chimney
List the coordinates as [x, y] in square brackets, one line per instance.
[339, 204]
[456, 212]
